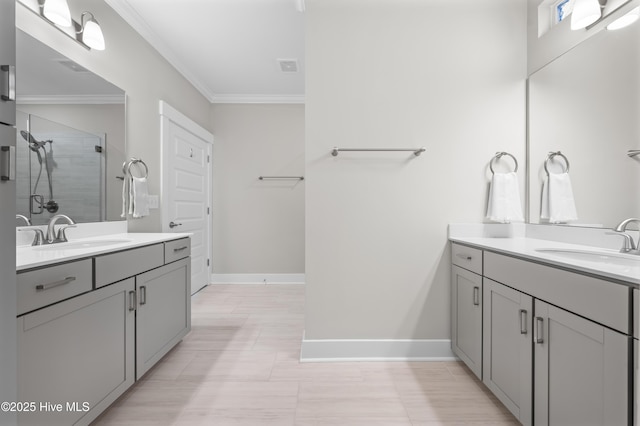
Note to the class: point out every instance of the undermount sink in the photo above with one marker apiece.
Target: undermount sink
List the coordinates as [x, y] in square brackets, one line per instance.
[602, 258]
[80, 245]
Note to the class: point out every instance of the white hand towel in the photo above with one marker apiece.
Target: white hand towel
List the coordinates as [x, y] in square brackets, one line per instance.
[558, 204]
[504, 199]
[140, 195]
[125, 196]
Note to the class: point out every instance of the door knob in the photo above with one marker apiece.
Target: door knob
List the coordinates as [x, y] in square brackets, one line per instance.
[173, 224]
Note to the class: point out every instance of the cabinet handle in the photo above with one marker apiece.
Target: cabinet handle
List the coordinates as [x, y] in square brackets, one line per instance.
[180, 249]
[476, 296]
[523, 321]
[132, 301]
[42, 287]
[7, 163]
[10, 95]
[464, 256]
[538, 330]
[143, 295]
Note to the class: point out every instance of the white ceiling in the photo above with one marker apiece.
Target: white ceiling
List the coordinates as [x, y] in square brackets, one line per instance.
[228, 49]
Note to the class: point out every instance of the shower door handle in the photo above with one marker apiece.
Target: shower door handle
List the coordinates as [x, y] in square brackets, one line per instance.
[10, 94]
[173, 224]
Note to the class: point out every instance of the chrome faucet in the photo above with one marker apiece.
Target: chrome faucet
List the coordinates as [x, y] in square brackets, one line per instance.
[24, 218]
[38, 238]
[61, 237]
[629, 245]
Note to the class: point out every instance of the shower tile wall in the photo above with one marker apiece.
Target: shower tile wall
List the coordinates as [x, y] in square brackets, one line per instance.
[77, 176]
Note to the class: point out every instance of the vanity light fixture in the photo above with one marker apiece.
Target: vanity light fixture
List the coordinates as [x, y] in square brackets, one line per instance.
[625, 20]
[86, 33]
[56, 11]
[585, 13]
[90, 32]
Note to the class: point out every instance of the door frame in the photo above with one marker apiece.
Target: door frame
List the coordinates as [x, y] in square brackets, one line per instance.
[169, 115]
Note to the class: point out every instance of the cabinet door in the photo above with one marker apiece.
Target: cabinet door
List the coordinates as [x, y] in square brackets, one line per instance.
[78, 353]
[507, 360]
[466, 321]
[580, 372]
[164, 312]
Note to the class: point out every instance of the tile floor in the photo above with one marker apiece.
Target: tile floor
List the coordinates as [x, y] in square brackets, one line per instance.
[239, 366]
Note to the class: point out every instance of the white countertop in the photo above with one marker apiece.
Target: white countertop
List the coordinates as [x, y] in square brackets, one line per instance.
[526, 248]
[28, 257]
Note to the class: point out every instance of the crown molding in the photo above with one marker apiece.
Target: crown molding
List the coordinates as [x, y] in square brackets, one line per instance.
[258, 99]
[137, 22]
[71, 99]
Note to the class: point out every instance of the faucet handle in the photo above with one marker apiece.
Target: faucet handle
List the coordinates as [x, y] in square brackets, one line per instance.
[628, 244]
[38, 239]
[62, 235]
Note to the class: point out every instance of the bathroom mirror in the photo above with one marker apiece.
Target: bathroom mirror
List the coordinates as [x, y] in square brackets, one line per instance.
[586, 104]
[71, 138]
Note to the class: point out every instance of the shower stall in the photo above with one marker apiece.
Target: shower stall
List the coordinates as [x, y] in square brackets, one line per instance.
[59, 170]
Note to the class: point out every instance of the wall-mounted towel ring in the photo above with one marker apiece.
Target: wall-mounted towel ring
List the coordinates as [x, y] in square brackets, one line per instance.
[556, 154]
[126, 167]
[500, 155]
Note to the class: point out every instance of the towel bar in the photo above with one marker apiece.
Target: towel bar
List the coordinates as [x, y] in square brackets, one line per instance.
[416, 151]
[281, 177]
[556, 154]
[633, 152]
[499, 155]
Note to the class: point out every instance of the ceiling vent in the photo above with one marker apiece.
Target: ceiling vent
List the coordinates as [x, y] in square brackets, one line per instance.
[288, 65]
[73, 66]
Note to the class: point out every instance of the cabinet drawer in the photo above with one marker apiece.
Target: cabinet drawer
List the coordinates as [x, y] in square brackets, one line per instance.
[593, 298]
[178, 249]
[42, 287]
[467, 258]
[124, 264]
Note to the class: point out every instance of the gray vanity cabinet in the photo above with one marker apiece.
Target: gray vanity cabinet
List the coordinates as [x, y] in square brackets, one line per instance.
[507, 358]
[163, 315]
[88, 329]
[466, 306]
[76, 355]
[580, 371]
[555, 345]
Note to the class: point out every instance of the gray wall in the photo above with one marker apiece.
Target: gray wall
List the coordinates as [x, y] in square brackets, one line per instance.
[132, 64]
[448, 75]
[258, 226]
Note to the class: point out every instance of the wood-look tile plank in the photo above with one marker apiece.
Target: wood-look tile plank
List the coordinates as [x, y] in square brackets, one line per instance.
[240, 366]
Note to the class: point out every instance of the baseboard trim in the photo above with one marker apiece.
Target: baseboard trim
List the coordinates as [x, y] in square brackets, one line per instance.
[376, 350]
[258, 278]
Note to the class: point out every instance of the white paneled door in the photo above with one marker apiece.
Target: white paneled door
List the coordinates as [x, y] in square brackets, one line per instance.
[186, 200]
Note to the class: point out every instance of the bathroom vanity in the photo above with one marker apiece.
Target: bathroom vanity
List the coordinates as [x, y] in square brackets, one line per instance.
[549, 333]
[93, 317]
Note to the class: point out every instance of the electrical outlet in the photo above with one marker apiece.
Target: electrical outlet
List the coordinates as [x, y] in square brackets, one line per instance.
[152, 201]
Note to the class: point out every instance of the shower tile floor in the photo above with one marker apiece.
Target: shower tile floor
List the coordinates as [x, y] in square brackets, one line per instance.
[239, 366]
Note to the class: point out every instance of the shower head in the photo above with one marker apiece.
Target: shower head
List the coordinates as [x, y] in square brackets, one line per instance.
[33, 143]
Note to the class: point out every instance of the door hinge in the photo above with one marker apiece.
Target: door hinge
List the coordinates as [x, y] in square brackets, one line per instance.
[208, 210]
[208, 158]
[208, 262]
